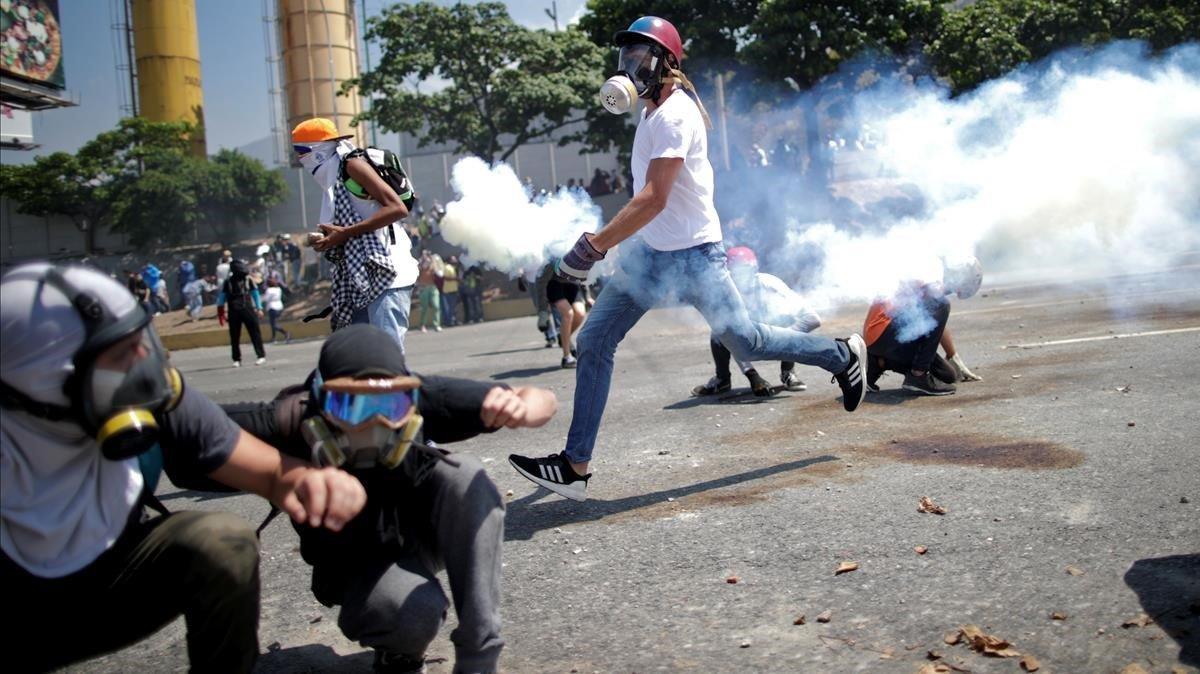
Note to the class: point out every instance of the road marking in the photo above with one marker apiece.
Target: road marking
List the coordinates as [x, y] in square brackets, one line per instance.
[1127, 335]
[1077, 300]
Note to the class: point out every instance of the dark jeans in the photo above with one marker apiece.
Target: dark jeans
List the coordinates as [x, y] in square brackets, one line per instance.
[472, 305]
[247, 317]
[918, 353]
[273, 317]
[201, 565]
[450, 309]
[721, 358]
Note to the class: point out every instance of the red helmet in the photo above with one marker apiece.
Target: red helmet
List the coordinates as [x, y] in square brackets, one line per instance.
[740, 256]
[655, 29]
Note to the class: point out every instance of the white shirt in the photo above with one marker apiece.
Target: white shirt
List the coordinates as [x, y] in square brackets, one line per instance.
[273, 298]
[675, 129]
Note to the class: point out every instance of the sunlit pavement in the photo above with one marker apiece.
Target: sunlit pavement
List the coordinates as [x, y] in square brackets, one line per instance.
[1070, 476]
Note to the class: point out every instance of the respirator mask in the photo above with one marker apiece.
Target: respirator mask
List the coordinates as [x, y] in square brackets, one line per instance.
[316, 159]
[118, 406]
[363, 423]
[639, 71]
[122, 406]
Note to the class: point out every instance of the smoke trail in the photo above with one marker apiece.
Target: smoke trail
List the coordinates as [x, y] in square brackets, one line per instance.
[1084, 161]
[494, 220]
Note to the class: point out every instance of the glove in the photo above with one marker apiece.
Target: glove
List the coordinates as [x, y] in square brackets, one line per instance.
[221, 315]
[575, 265]
[961, 369]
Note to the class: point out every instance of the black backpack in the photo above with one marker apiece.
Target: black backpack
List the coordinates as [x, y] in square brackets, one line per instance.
[387, 165]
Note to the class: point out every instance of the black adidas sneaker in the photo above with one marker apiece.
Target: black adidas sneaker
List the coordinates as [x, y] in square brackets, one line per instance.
[553, 472]
[851, 379]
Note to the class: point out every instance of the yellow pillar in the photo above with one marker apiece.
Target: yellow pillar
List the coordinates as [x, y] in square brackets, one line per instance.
[167, 51]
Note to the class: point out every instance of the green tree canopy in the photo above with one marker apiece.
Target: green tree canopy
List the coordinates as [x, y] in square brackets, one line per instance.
[141, 179]
[989, 38]
[506, 85]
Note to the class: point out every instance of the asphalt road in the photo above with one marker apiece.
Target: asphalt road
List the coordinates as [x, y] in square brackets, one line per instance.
[1070, 475]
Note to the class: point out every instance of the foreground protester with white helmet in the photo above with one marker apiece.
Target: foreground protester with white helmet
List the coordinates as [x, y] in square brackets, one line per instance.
[679, 253]
[92, 412]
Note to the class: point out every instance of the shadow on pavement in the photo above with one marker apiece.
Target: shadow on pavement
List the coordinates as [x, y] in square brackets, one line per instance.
[888, 397]
[736, 397]
[505, 353]
[526, 373]
[1169, 591]
[525, 517]
[312, 658]
[199, 495]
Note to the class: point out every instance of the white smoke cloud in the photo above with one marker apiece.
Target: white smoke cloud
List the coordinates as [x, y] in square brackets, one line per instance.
[494, 220]
[1085, 162]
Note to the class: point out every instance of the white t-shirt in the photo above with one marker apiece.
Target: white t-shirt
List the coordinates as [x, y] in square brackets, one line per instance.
[273, 298]
[675, 129]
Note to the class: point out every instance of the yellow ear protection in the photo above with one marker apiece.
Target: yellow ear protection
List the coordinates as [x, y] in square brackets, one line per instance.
[150, 388]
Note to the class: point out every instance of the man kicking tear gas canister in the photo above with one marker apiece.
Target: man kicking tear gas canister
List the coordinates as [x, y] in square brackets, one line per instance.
[679, 253]
[426, 510]
[769, 301]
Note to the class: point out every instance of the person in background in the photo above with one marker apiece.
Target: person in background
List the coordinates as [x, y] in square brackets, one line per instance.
[567, 299]
[240, 292]
[187, 274]
[427, 280]
[291, 258]
[903, 332]
[472, 294]
[151, 275]
[768, 301]
[450, 289]
[223, 263]
[138, 288]
[193, 295]
[93, 411]
[161, 296]
[273, 299]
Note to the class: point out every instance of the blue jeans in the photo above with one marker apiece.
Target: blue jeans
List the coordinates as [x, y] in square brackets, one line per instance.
[698, 277]
[388, 312]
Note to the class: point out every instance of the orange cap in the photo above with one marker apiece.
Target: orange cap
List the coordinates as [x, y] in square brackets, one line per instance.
[316, 130]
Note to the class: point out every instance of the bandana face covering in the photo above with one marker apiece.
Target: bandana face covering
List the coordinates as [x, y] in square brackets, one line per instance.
[317, 160]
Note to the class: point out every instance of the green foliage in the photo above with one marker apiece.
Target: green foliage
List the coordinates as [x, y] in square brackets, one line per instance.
[141, 179]
[989, 38]
[506, 85]
[233, 189]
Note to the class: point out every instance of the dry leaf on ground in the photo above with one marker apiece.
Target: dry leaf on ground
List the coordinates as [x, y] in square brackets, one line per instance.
[952, 638]
[800, 620]
[920, 549]
[933, 655]
[732, 580]
[928, 506]
[846, 567]
[825, 616]
[1030, 663]
[988, 644]
[1140, 621]
[1058, 615]
[934, 668]
[1074, 570]
[1134, 668]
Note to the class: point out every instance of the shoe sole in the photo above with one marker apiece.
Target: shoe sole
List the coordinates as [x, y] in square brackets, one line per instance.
[564, 490]
[859, 348]
[926, 392]
[796, 387]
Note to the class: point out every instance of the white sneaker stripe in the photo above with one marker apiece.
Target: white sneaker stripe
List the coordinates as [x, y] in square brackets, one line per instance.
[542, 470]
[557, 474]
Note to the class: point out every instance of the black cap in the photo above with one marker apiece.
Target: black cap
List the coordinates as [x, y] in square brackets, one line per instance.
[361, 351]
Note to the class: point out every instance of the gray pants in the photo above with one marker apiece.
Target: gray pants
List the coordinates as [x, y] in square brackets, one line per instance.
[396, 604]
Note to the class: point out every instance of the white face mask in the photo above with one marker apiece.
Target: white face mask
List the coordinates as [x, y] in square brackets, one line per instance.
[322, 162]
[618, 94]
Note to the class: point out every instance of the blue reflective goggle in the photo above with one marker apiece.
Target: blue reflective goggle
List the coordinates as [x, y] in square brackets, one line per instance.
[355, 409]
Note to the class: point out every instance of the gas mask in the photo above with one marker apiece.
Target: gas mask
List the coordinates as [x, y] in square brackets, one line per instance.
[319, 160]
[363, 423]
[122, 406]
[639, 74]
[118, 408]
